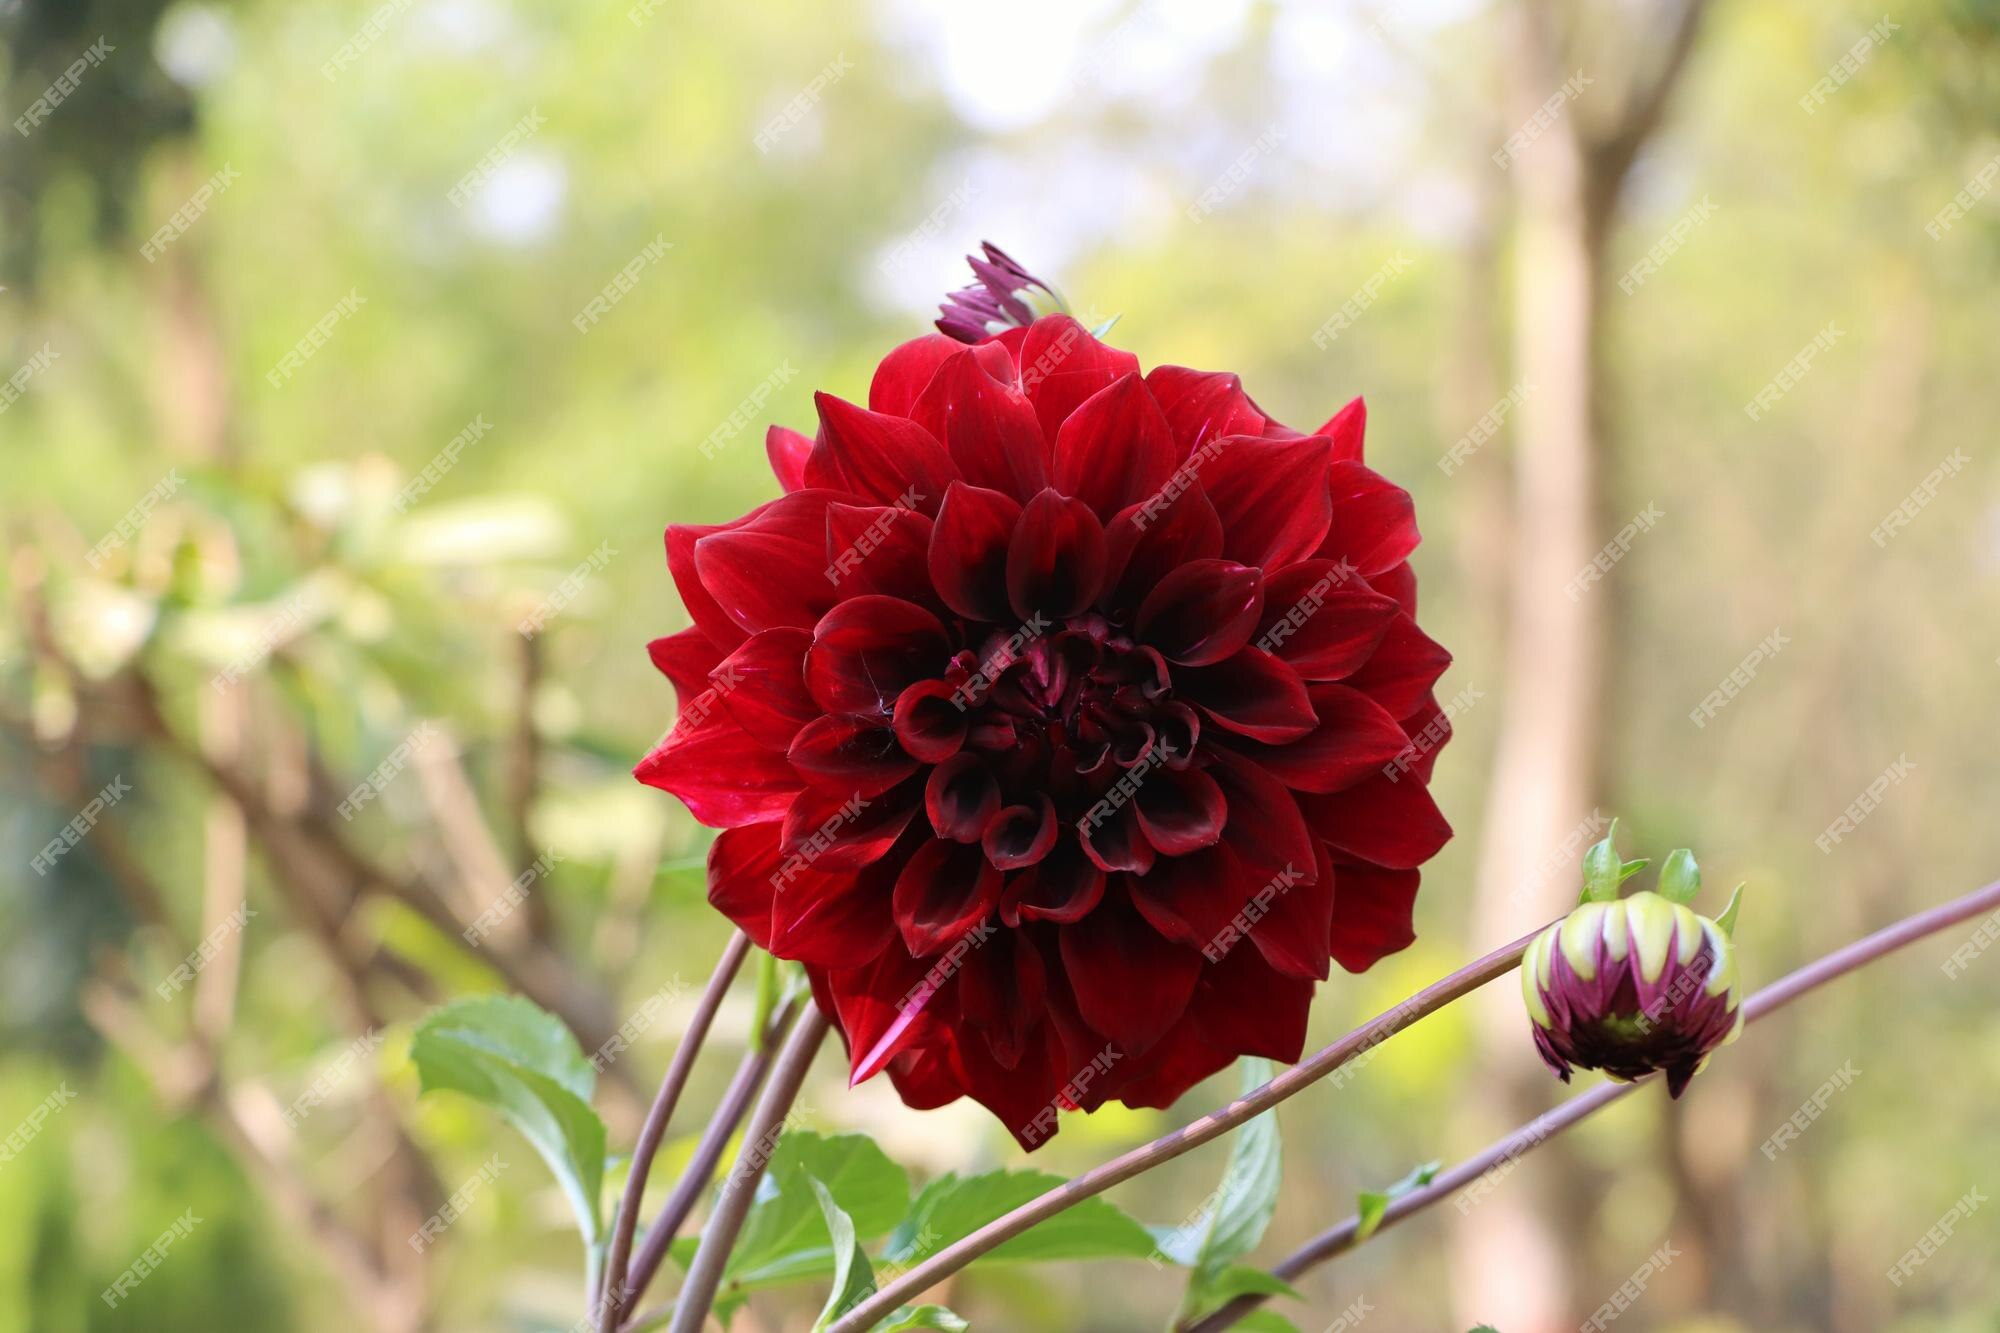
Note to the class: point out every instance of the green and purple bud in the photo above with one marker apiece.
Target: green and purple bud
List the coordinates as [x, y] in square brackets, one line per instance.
[1634, 985]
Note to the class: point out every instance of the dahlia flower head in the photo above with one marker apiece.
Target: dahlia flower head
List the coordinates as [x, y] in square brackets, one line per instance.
[1066, 722]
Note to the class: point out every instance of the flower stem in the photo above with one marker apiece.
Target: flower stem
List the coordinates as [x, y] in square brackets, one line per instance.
[700, 1171]
[611, 1300]
[739, 1187]
[1341, 1238]
[1099, 1179]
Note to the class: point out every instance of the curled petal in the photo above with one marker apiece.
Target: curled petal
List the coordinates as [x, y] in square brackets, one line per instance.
[945, 890]
[961, 796]
[931, 721]
[769, 572]
[1180, 811]
[883, 459]
[868, 650]
[1252, 694]
[968, 555]
[843, 752]
[1055, 564]
[685, 659]
[1019, 836]
[763, 685]
[1063, 886]
[1321, 621]
[1202, 612]
[788, 451]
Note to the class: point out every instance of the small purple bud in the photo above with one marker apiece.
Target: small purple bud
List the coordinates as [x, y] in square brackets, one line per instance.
[993, 304]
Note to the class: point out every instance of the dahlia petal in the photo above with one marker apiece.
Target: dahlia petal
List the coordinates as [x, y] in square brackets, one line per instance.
[1002, 987]
[770, 571]
[968, 555]
[1265, 829]
[931, 721]
[868, 650]
[1147, 541]
[1374, 523]
[1180, 811]
[843, 752]
[1243, 1004]
[880, 549]
[828, 830]
[1131, 983]
[1252, 694]
[1113, 842]
[1019, 836]
[883, 1007]
[1399, 583]
[1428, 728]
[1194, 898]
[988, 428]
[1202, 612]
[1062, 365]
[685, 659]
[1355, 737]
[740, 865]
[1346, 429]
[788, 451]
[838, 919]
[1063, 886]
[961, 797]
[1371, 914]
[1385, 821]
[1115, 449]
[723, 776]
[763, 685]
[883, 459]
[1055, 564]
[1291, 935]
[902, 375]
[702, 608]
[945, 890]
[1402, 670]
[1202, 405]
[1271, 496]
[1321, 622]
[1174, 1064]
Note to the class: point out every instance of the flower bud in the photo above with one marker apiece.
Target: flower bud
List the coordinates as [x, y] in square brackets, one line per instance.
[1634, 985]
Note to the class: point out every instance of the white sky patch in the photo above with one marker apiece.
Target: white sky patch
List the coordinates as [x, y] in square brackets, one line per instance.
[521, 202]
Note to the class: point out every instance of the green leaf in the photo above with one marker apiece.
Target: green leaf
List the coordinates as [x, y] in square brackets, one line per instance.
[1680, 877]
[506, 1052]
[1372, 1204]
[853, 1278]
[1728, 918]
[1266, 1321]
[950, 1208]
[1232, 1219]
[784, 1237]
[908, 1319]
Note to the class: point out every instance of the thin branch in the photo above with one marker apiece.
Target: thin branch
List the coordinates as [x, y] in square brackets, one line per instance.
[729, 1113]
[1339, 1239]
[740, 1186]
[612, 1298]
[1093, 1182]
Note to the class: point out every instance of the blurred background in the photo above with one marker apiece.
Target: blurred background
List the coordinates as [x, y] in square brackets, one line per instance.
[305, 407]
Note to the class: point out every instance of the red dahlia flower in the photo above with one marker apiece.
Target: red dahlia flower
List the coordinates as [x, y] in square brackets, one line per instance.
[1063, 722]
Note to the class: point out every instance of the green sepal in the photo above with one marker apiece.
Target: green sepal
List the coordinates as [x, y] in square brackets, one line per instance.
[1727, 921]
[1371, 1205]
[1105, 327]
[1680, 877]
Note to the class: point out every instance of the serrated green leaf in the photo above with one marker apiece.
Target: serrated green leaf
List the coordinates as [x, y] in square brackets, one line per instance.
[853, 1277]
[784, 1238]
[506, 1052]
[907, 1319]
[950, 1208]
